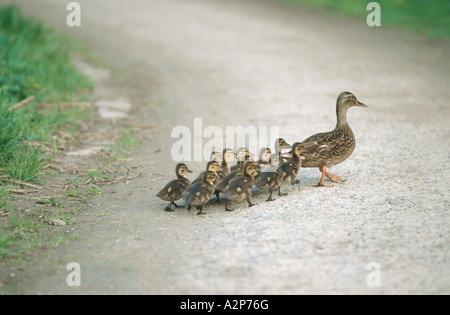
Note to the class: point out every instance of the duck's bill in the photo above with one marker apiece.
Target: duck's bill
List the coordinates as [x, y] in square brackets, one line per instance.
[362, 104]
[189, 171]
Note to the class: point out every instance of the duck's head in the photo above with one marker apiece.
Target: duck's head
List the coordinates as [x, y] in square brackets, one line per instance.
[213, 166]
[264, 155]
[228, 154]
[347, 100]
[181, 169]
[250, 168]
[209, 177]
[280, 143]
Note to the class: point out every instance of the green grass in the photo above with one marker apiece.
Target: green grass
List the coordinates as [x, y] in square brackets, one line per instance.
[51, 201]
[34, 61]
[24, 232]
[20, 236]
[430, 17]
[26, 164]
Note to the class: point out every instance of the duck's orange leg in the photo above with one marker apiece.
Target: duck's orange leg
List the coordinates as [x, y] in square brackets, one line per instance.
[334, 178]
[323, 170]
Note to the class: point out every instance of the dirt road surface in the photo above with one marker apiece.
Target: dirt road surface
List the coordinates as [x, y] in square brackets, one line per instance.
[263, 63]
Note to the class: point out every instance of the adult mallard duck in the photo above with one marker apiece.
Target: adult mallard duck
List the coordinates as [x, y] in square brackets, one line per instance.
[175, 188]
[334, 146]
[240, 187]
[200, 193]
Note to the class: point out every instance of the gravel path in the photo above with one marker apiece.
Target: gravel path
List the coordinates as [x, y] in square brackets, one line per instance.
[252, 62]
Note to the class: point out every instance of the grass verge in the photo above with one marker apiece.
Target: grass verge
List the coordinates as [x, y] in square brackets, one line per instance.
[430, 17]
[35, 65]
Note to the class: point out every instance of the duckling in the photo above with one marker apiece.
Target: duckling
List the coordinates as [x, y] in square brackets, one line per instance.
[243, 154]
[265, 155]
[200, 193]
[240, 187]
[270, 177]
[291, 168]
[285, 173]
[212, 166]
[175, 188]
[215, 156]
[336, 145]
[280, 144]
[227, 155]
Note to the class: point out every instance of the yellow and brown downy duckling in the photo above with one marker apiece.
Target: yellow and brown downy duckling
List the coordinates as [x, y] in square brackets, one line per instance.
[286, 172]
[175, 188]
[270, 178]
[265, 155]
[334, 146]
[281, 144]
[216, 156]
[240, 188]
[212, 166]
[227, 155]
[243, 154]
[200, 193]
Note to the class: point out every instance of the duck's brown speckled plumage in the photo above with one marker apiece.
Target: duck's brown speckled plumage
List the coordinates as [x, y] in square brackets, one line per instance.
[334, 146]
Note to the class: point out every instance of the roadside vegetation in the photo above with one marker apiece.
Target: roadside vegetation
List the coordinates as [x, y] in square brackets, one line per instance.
[430, 17]
[36, 70]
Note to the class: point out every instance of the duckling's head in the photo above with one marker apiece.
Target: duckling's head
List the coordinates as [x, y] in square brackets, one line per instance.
[250, 168]
[215, 156]
[228, 154]
[243, 154]
[181, 169]
[298, 148]
[275, 159]
[209, 177]
[213, 166]
[280, 143]
[264, 155]
[347, 100]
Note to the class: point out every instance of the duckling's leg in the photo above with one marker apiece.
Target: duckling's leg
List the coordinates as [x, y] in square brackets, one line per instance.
[249, 201]
[280, 193]
[169, 208]
[189, 207]
[270, 196]
[323, 170]
[334, 178]
[217, 196]
[200, 208]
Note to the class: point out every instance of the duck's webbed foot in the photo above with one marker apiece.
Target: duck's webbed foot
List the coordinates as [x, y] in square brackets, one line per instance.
[334, 178]
[323, 170]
